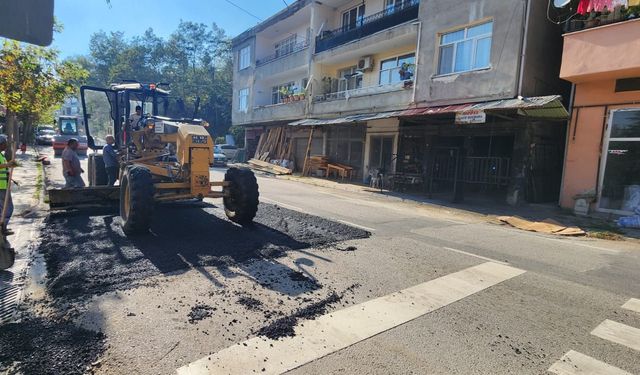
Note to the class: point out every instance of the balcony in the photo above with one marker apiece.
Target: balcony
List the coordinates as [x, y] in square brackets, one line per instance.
[300, 46]
[364, 91]
[381, 98]
[602, 53]
[271, 113]
[601, 18]
[399, 14]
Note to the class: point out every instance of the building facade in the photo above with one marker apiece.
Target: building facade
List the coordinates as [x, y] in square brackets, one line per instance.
[603, 145]
[444, 99]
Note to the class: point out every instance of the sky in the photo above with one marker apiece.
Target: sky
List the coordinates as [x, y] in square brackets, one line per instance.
[81, 18]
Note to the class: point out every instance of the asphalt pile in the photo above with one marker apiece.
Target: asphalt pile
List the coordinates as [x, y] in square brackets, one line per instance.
[42, 346]
[87, 254]
[200, 311]
[285, 326]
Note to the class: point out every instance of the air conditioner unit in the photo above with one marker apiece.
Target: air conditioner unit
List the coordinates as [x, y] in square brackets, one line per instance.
[365, 63]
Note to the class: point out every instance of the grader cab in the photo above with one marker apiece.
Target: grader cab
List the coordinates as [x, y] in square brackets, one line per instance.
[164, 155]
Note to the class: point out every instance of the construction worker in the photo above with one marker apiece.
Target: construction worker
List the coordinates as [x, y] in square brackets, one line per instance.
[134, 119]
[4, 184]
[110, 158]
[71, 165]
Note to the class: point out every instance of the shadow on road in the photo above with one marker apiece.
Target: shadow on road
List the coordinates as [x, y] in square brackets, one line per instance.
[88, 254]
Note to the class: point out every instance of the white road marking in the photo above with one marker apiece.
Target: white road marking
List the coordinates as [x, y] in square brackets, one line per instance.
[340, 329]
[574, 363]
[357, 225]
[282, 204]
[475, 255]
[619, 333]
[633, 304]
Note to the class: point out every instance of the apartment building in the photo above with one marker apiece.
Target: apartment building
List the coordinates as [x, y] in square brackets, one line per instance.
[445, 98]
[319, 64]
[602, 59]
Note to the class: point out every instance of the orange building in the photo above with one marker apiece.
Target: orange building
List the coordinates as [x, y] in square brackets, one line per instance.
[603, 140]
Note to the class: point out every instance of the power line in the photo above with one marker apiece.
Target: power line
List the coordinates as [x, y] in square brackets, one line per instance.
[244, 10]
[285, 3]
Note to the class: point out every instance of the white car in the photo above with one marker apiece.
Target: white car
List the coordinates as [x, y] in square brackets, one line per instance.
[230, 151]
[219, 158]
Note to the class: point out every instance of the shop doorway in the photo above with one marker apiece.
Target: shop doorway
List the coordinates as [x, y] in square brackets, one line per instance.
[381, 154]
[620, 169]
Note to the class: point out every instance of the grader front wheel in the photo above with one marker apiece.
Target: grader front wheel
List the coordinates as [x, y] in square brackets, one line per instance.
[241, 200]
[136, 200]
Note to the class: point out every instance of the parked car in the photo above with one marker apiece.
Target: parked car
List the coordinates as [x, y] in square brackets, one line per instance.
[219, 158]
[230, 151]
[45, 137]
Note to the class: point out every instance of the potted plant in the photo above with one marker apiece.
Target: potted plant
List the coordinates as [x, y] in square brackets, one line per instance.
[593, 20]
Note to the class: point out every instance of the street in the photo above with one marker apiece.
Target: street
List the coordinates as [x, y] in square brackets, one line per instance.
[300, 291]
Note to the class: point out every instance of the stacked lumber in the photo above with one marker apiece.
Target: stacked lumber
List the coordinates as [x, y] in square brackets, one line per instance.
[264, 166]
[275, 144]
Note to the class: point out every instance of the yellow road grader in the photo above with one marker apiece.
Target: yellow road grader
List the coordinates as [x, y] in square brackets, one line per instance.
[164, 155]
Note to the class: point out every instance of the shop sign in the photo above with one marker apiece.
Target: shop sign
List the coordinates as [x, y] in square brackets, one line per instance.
[471, 117]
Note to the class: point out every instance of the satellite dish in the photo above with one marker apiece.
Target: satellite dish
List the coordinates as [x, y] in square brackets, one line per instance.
[561, 3]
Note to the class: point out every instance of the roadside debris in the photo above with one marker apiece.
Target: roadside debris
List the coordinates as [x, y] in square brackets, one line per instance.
[200, 312]
[250, 303]
[284, 327]
[549, 226]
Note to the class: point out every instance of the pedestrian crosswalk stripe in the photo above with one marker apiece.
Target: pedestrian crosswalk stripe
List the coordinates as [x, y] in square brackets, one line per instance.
[619, 333]
[633, 304]
[340, 329]
[574, 363]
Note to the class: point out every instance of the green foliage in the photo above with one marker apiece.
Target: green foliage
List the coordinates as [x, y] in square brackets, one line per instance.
[238, 135]
[195, 60]
[33, 81]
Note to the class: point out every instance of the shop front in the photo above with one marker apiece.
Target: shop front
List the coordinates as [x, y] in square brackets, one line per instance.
[602, 165]
[500, 153]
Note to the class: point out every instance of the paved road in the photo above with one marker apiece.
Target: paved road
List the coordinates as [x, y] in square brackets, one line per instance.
[427, 292]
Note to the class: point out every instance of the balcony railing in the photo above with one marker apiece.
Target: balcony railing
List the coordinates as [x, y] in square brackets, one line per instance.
[364, 91]
[402, 12]
[279, 55]
[595, 19]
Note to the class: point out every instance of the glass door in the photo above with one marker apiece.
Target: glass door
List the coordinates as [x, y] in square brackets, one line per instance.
[353, 18]
[620, 170]
[381, 153]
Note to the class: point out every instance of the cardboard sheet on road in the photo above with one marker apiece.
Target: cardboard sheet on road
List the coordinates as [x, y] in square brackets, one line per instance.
[549, 226]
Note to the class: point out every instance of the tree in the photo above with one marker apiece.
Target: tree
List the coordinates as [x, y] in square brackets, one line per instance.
[32, 81]
[195, 60]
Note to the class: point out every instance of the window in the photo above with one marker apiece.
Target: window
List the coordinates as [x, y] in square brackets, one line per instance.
[279, 92]
[349, 79]
[465, 50]
[353, 17]
[620, 181]
[244, 58]
[243, 100]
[345, 144]
[286, 46]
[391, 6]
[627, 84]
[390, 70]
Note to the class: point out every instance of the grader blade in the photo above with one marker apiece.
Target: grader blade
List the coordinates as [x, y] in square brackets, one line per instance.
[87, 197]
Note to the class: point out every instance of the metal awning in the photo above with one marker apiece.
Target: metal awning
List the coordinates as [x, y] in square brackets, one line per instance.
[347, 119]
[539, 107]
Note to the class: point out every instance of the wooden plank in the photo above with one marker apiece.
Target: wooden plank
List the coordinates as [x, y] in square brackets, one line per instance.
[305, 168]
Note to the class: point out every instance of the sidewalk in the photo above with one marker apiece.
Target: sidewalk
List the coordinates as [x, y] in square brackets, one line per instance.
[27, 218]
[601, 227]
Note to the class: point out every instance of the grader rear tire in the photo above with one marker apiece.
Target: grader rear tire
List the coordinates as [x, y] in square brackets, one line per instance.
[136, 200]
[241, 204]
